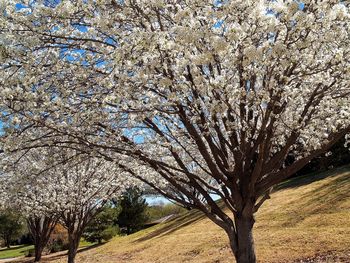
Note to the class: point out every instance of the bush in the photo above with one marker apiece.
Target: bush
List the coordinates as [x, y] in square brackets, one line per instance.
[58, 245]
[58, 240]
[26, 239]
[110, 232]
[102, 227]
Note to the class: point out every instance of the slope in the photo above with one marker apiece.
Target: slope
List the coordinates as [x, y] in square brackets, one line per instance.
[306, 220]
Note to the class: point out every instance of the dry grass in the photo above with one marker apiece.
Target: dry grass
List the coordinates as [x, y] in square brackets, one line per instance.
[307, 217]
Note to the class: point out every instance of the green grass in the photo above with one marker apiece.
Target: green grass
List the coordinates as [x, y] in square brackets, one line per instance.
[19, 251]
[84, 243]
[15, 251]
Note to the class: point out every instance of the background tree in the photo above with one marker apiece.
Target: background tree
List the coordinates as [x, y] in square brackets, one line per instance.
[41, 228]
[133, 210]
[61, 185]
[83, 188]
[10, 226]
[103, 227]
[208, 97]
[26, 191]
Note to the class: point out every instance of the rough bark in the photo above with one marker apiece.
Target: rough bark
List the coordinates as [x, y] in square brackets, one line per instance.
[75, 222]
[74, 239]
[244, 251]
[38, 251]
[41, 229]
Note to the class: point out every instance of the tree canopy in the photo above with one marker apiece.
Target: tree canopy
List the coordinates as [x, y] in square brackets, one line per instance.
[199, 97]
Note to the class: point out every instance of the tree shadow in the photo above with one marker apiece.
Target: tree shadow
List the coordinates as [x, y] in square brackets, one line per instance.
[327, 197]
[324, 193]
[13, 248]
[337, 191]
[59, 255]
[90, 247]
[310, 178]
[174, 225]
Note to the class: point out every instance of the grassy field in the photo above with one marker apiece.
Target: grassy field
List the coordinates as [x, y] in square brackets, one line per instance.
[20, 251]
[15, 251]
[307, 217]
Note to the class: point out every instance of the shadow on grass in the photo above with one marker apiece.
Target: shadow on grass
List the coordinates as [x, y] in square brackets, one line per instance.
[312, 177]
[59, 255]
[13, 248]
[312, 202]
[174, 225]
[90, 247]
[326, 198]
[332, 194]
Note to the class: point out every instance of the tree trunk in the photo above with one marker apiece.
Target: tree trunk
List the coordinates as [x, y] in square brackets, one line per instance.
[73, 247]
[38, 251]
[40, 229]
[245, 251]
[38, 248]
[7, 242]
[72, 252]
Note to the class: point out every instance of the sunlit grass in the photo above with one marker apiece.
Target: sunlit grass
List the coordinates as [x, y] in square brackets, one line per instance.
[84, 243]
[15, 251]
[305, 217]
[20, 251]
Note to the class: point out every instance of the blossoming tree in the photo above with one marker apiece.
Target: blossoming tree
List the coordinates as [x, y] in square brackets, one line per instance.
[35, 205]
[214, 97]
[26, 181]
[84, 188]
[50, 187]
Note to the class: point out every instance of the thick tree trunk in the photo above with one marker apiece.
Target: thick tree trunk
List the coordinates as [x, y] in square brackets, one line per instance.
[72, 252]
[73, 247]
[244, 251]
[41, 229]
[38, 251]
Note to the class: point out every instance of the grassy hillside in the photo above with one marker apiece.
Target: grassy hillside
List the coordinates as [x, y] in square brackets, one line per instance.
[307, 217]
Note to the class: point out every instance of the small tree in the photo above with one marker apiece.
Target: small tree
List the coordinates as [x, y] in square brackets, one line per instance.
[83, 187]
[58, 239]
[60, 184]
[10, 226]
[102, 227]
[25, 190]
[133, 210]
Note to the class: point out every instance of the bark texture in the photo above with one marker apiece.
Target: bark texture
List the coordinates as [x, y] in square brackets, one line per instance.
[245, 252]
[41, 229]
[73, 247]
